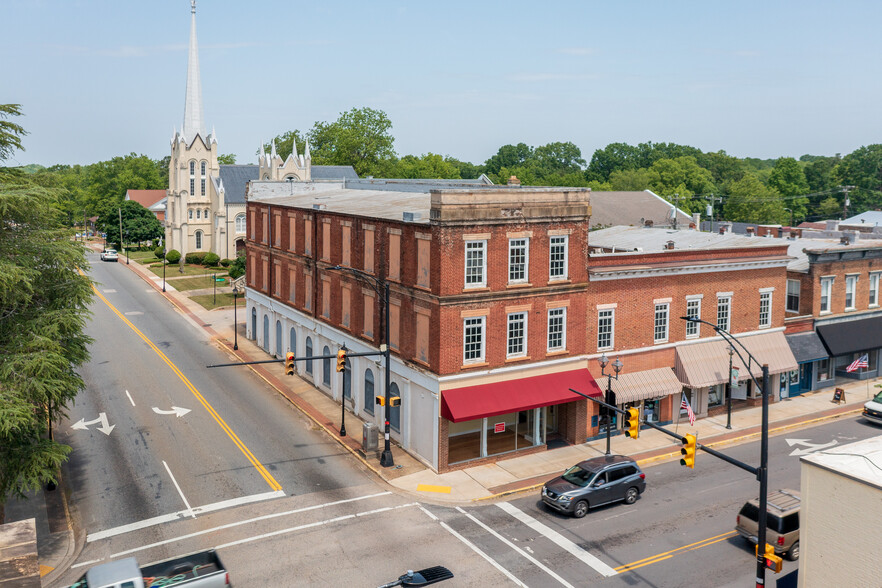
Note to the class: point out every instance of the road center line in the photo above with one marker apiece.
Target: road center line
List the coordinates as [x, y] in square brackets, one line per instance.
[529, 557]
[130, 398]
[184, 498]
[558, 539]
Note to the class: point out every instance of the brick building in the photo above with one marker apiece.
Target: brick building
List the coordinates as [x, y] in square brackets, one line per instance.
[487, 305]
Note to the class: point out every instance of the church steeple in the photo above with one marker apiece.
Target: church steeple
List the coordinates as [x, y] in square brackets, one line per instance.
[193, 121]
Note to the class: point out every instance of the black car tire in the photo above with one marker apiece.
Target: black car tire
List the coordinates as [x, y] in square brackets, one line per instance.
[581, 509]
[793, 554]
[631, 495]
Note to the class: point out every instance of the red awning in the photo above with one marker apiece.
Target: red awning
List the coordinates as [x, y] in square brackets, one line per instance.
[485, 400]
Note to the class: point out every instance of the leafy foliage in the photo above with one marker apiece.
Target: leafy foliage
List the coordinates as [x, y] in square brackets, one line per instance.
[211, 259]
[138, 223]
[173, 256]
[237, 268]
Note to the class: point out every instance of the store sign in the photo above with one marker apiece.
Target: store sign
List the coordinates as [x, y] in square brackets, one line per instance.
[499, 427]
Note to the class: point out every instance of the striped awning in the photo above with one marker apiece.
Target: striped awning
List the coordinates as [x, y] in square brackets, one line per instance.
[636, 386]
[707, 364]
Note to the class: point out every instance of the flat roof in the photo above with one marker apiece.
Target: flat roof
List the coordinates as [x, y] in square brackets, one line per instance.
[652, 240]
[861, 460]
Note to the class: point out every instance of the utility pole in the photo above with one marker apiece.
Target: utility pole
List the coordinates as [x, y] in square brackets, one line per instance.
[674, 212]
[710, 208]
[847, 202]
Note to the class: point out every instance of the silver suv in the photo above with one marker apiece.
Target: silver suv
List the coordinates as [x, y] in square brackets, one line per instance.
[782, 522]
[595, 482]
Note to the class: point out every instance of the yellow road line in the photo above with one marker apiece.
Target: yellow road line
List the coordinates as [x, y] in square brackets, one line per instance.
[669, 554]
[430, 488]
[250, 456]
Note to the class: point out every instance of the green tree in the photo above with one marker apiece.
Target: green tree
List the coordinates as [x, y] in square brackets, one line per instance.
[789, 180]
[43, 309]
[862, 168]
[285, 144]
[630, 180]
[828, 208]
[467, 170]
[508, 156]
[359, 137]
[680, 179]
[226, 159]
[751, 201]
[107, 181]
[138, 223]
[10, 132]
[428, 166]
[819, 175]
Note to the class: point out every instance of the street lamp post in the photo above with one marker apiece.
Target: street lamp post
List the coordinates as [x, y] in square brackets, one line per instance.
[729, 391]
[386, 459]
[762, 473]
[610, 397]
[235, 321]
[164, 263]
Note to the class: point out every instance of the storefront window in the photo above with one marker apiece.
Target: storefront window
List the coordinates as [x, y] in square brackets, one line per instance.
[824, 369]
[495, 435]
[652, 410]
[716, 395]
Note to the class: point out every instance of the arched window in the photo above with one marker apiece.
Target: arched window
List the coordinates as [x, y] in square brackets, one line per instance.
[198, 239]
[395, 411]
[192, 177]
[198, 213]
[369, 391]
[254, 323]
[309, 354]
[203, 179]
[206, 214]
[240, 224]
[326, 367]
[347, 379]
[292, 341]
[278, 338]
[266, 346]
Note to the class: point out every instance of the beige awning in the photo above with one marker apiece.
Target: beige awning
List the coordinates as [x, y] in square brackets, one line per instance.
[637, 386]
[707, 364]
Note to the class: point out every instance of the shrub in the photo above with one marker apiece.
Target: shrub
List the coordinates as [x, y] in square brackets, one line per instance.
[158, 252]
[226, 262]
[211, 259]
[195, 257]
[173, 256]
[237, 268]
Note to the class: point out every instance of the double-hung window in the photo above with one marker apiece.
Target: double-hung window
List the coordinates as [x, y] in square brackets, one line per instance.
[826, 292]
[475, 264]
[724, 307]
[473, 339]
[517, 334]
[661, 322]
[850, 288]
[874, 289]
[765, 310]
[792, 295]
[557, 329]
[557, 269]
[693, 311]
[518, 260]
[606, 322]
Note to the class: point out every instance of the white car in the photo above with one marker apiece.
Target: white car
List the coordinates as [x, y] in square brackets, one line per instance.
[873, 409]
[109, 255]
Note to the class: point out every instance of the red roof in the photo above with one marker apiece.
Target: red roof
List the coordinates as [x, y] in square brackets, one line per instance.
[485, 400]
[145, 198]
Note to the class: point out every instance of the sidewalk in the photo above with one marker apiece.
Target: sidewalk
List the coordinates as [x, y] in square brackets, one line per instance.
[57, 547]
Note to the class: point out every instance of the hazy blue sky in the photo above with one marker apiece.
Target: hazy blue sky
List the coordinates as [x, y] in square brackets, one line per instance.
[98, 79]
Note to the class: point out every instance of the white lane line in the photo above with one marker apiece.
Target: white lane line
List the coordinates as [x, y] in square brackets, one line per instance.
[476, 549]
[558, 539]
[184, 498]
[529, 557]
[85, 563]
[133, 313]
[130, 398]
[181, 514]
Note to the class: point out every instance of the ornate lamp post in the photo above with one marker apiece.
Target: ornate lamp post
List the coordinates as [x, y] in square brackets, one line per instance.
[610, 396]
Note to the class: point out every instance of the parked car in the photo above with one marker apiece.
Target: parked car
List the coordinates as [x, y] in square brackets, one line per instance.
[595, 482]
[782, 522]
[109, 255]
[873, 409]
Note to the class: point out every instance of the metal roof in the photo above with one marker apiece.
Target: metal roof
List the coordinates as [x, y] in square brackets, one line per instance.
[797, 249]
[333, 172]
[632, 208]
[234, 178]
[806, 346]
[630, 239]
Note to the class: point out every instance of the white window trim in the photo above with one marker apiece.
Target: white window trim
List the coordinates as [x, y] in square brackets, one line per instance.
[874, 277]
[563, 332]
[829, 281]
[787, 295]
[667, 307]
[483, 323]
[526, 277]
[566, 258]
[727, 297]
[525, 317]
[851, 279]
[612, 329]
[769, 312]
[697, 326]
[483, 282]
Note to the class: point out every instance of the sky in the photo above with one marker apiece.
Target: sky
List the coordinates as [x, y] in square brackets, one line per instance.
[98, 78]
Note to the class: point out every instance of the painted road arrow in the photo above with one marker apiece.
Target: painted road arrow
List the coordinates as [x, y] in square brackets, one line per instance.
[174, 410]
[809, 447]
[105, 427]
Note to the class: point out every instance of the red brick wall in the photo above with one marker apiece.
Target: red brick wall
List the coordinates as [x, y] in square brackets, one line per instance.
[839, 269]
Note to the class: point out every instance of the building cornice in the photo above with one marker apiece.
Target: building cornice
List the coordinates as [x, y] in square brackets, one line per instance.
[626, 273]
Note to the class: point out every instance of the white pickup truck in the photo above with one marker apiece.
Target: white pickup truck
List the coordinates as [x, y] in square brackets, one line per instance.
[197, 570]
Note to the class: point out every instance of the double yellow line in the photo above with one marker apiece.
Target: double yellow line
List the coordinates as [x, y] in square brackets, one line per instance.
[250, 456]
[669, 554]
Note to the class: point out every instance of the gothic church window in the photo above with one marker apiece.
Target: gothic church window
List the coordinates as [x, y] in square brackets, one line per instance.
[240, 223]
[198, 239]
[192, 177]
[190, 214]
[203, 179]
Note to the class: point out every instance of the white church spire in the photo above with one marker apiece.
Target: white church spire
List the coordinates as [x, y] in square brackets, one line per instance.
[193, 122]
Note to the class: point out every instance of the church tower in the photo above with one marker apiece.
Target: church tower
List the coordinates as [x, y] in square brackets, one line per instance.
[192, 204]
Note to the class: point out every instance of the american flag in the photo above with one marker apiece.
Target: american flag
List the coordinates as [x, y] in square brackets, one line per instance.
[860, 362]
[689, 411]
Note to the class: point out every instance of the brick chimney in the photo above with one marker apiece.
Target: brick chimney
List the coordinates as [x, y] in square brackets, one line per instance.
[751, 231]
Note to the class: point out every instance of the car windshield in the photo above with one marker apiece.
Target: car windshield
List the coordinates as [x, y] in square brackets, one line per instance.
[878, 398]
[578, 476]
[110, 251]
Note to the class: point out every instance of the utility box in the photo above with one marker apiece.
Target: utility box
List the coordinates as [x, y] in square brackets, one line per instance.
[369, 437]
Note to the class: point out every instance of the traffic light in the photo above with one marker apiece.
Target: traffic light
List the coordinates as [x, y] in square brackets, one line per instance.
[772, 561]
[289, 364]
[381, 401]
[633, 423]
[688, 451]
[395, 401]
[341, 360]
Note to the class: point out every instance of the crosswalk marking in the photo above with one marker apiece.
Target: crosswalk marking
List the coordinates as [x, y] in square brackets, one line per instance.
[558, 539]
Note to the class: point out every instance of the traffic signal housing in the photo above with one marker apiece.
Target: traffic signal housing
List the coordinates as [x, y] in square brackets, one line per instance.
[772, 561]
[688, 451]
[395, 401]
[341, 360]
[381, 401]
[633, 423]
[289, 364]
